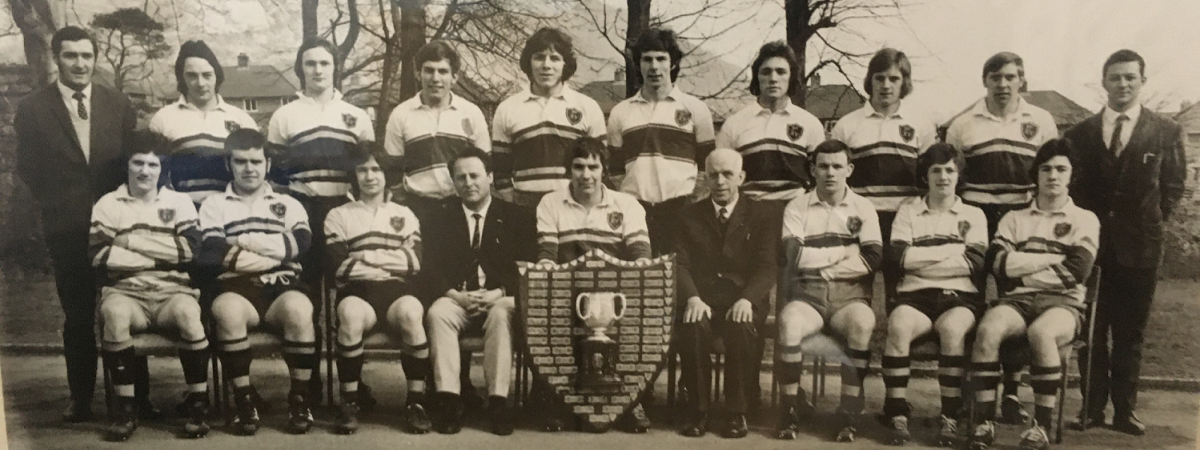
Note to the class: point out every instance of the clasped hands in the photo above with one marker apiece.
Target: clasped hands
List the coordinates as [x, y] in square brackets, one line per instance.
[742, 311]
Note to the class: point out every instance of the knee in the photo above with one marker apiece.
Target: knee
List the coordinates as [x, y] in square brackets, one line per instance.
[1040, 336]
[441, 311]
[410, 312]
[898, 331]
[351, 316]
[114, 312]
[499, 314]
[187, 316]
[861, 325]
[952, 334]
[297, 310]
[226, 311]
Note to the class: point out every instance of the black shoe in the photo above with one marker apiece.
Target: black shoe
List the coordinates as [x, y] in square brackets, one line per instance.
[300, 418]
[1012, 411]
[697, 426]
[197, 410]
[634, 421]
[500, 416]
[245, 422]
[416, 419]
[471, 399]
[736, 428]
[789, 423]
[124, 423]
[553, 424]
[1129, 424]
[898, 428]
[448, 412]
[848, 431]
[259, 402]
[347, 420]
[146, 410]
[77, 412]
[366, 398]
[1085, 422]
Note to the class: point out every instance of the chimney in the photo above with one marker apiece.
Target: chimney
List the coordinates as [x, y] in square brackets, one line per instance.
[243, 60]
[619, 75]
[814, 80]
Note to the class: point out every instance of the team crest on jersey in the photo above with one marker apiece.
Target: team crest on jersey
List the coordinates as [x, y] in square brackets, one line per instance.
[232, 126]
[1061, 229]
[467, 128]
[907, 133]
[963, 228]
[854, 224]
[1029, 130]
[794, 131]
[278, 209]
[349, 120]
[166, 214]
[682, 117]
[615, 219]
[398, 223]
[574, 115]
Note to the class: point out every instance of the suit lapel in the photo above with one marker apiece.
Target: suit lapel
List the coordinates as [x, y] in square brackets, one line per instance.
[101, 124]
[1140, 133]
[58, 109]
[492, 224]
[737, 219]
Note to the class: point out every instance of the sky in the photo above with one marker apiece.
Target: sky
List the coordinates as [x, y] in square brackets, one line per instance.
[1063, 42]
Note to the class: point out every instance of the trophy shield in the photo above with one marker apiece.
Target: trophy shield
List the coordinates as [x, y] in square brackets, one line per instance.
[597, 330]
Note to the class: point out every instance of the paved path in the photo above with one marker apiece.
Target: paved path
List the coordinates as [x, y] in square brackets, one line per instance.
[35, 394]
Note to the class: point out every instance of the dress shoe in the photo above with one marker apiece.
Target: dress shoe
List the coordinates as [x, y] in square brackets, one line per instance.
[500, 416]
[471, 399]
[1085, 422]
[1129, 424]
[77, 412]
[448, 413]
[634, 421]
[697, 426]
[736, 427]
[553, 424]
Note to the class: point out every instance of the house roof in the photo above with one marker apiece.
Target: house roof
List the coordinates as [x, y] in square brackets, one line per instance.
[1065, 111]
[832, 101]
[256, 81]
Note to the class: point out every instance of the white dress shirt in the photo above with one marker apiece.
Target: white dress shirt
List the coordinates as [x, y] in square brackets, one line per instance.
[728, 208]
[1109, 119]
[83, 127]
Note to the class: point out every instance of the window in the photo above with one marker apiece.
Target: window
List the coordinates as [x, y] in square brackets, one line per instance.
[1194, 138]
[250, 104]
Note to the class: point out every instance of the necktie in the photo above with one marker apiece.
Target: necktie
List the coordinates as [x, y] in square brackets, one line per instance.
[1114, 145]
[83, 114]
[723, 215]
[475, 237]
[473, 278]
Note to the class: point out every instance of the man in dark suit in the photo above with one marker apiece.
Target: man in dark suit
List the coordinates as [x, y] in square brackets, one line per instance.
[69, 139]
[726, 271]
[1132, 172]
[472, 246]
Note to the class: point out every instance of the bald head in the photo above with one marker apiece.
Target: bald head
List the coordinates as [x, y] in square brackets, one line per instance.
[723, 173]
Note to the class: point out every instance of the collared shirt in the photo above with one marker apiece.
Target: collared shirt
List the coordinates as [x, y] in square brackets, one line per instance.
[1109, 124]
[884, 151]
[379, 243]
[659, 145]
[262, 229]
[471, 223]
[317, 135]
[774, 148]
[837, 242]
[83, 127]
[567, 229]
[1046, 252]
[197, 165]
[159, 236]
[728, 207]
[532, 136]
[428, 138]
[938, 249]
[1000, 151]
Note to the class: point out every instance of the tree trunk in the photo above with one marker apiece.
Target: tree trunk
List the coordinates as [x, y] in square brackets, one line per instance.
[352, 30]
[639, 22]
[799, 16]
[308, 17]
[37, 20]
[412, 38]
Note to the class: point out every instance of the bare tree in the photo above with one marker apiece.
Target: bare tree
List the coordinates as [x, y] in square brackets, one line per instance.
[810, 21]
[129, 39]
[308, 17]
[37, 20]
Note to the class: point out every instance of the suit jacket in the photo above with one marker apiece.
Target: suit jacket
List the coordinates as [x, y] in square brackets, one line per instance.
[723, 266]
[1132, 194]
[51, 162]
[509, 235]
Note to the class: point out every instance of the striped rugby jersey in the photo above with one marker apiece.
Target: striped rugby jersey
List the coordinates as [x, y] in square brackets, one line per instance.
[261, 234]
[659, 145]
[567, 229]
[197, 163]
[427, 140]
[884, 152]
[532, 137]
[774, 148]
[373, 243]
[316, 163]
[837, 242]
[144, 245]
[938, 250]
[1000, 151]
[1045, 252]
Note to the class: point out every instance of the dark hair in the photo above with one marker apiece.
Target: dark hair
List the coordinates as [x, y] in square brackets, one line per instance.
[586, 147]
[939, 153]
[436, 51]
[828, 147]
[473, 152]
[549, 38]
[245, 139]
[1124, 56]
[776, 49]
[70, 33]
[196, 49]
[999, 60]
[659, 40]
[147, 141]
[1050, 149]
[885, 59]
[310, 44]
[359, 154]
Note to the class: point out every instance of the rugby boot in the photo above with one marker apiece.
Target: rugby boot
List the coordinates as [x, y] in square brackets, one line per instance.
[124, 422]
[197, 409]
[1034, 438]
[300, 418]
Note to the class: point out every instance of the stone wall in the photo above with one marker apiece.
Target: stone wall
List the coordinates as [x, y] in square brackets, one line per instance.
[22, 251]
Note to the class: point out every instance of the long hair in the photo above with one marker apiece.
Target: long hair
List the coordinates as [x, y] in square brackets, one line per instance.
[549, 38]
[196, 49]
[885, 59]
[659, 40]
[310, 44]
[776, 49]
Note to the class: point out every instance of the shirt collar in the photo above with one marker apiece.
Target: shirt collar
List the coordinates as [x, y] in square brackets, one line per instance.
[728, 208]
[454, 101]
[220, 106]
[1110, 115]
[1068, 206]
[790, 110]
[980, 109]
[69, 93]
[264, 192]
[124, 195]
[871, 112]
[605, 199]
[337, 95]
[483, 212]
[528, 94]
[673, 95]
[814, 199]
[955, 208]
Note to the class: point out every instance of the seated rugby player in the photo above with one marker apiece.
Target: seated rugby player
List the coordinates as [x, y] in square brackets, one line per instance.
[832, 247]
[256, 237]
[938, 244]
[141, 236]
[1041, 257]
